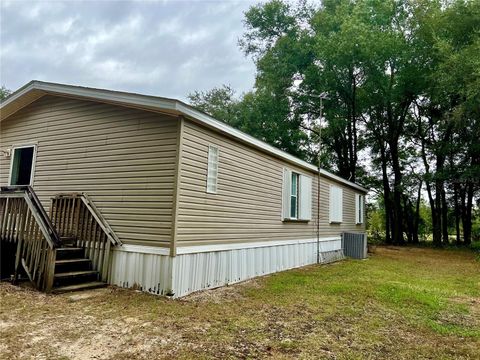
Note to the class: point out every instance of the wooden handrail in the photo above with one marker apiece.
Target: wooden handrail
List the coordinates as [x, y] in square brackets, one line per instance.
[97, 215]
[37, 209]
[24, 222]
[76, 217]
[101, 220]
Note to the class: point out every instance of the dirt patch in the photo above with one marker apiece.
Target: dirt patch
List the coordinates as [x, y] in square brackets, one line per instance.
[84, 294]
[352, 309]
[472, 315]
[222, 294]
[109, 338]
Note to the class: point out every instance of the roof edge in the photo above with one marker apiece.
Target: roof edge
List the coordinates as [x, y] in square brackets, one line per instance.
[17, 93]
[149, 102]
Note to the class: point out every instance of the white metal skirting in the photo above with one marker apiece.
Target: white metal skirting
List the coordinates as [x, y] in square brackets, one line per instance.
[146, 272]
[189, 272]
[193, 272]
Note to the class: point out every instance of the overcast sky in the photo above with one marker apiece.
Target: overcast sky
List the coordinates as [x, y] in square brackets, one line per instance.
[167, 48]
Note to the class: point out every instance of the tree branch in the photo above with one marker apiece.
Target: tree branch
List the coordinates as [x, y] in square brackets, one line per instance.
[309, 129]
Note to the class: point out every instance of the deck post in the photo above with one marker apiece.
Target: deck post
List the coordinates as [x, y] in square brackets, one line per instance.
[106, 261]
[50, 273]
[17, 259]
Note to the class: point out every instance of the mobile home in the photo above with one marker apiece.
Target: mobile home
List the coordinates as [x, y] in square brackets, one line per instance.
[158, 195]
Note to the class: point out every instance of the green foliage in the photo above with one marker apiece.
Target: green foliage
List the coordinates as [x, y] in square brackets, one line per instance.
[265, 23]
[475, 246]
[4, 93]
[260, 114]
[403, 81]
[217, 102]
[476, 226]
[425, 228]
[376, 225]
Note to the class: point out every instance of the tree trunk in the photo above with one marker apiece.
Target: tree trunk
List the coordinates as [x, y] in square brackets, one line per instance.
[442, 207]
[342, 156]
[457, 213]
[417, 214]
[436, 231]
[386, 195]
[438, 212]
[467, 215]
[444, 213]
[354, 157]
[397, 225]
[409, 218]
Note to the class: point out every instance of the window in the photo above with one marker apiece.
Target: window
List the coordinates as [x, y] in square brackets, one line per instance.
[297, 196]
[212, 172]
[359, 208]
[294, 196]
[23, 161]
[336, 204]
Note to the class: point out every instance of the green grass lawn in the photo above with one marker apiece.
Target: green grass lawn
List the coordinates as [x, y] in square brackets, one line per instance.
[402, 303]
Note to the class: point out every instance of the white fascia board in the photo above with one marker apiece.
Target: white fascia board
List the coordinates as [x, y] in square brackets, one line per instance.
[342, 180]
[127, 99]
[108, 95]
[19, 99]
[17, 94]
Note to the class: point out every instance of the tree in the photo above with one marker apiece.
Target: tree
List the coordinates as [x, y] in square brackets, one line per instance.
[301, 44]
[448, 112]
[402, 80]
[4, 93]
[259, 114]
[217, 102]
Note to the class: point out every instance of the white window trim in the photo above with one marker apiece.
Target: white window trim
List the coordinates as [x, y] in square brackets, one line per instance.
[359, 209]
[210, 147]
[302, 215]
[296, 195]
[286, 178]
[334, 220]
[34, 161]
[305, 208]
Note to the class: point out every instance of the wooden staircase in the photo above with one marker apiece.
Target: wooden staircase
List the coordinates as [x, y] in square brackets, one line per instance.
[66, 251]
[74, 271]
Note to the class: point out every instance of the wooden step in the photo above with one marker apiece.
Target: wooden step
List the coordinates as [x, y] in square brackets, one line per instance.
[69, 261]
[74, 277]
[69, 248]
[68, 240]
[75, 274]
[74, 264]
[78, 287]
[70, 253]
[73, 271]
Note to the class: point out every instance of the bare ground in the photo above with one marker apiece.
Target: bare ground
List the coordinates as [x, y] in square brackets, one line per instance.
[402, 303]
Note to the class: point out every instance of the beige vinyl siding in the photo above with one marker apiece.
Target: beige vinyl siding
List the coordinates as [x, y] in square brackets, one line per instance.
[123, 158]
[248, 203]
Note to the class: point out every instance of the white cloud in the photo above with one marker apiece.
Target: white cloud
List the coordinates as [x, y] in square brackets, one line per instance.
[168, 48]
[59, 28]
